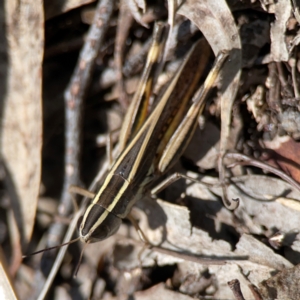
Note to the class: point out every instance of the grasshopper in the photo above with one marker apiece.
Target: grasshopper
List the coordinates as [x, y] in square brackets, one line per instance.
[149, 143]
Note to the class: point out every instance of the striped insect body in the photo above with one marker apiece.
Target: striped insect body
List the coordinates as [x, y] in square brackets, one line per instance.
[149, 145]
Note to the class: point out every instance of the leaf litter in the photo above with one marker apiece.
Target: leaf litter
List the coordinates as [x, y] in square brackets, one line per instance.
[199, 248]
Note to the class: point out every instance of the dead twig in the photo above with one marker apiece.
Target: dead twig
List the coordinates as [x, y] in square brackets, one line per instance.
[274, 88]
[69, 233]
[255, 292]
[293, 64]
[124, 23]
[247, 160]
[236, 289]
[74, 96]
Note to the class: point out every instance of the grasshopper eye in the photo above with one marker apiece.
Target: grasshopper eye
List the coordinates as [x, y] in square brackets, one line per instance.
[98, 225]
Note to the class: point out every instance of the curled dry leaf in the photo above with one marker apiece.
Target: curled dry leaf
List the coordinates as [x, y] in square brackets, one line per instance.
[262, 261]
[261, 211]
[21, 139]
[258, 194]
[216, 22]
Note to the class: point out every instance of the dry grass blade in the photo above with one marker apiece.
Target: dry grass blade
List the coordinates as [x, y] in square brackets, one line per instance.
[7, 290]
[57, 7]
[124, 23]
[59, 257]
[21, 140]
[253, 162]
[74, 97]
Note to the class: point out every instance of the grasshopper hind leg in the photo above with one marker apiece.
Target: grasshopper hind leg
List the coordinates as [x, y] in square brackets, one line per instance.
[170, 180]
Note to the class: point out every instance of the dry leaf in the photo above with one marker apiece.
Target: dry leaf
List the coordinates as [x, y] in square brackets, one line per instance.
[7, 290]
[260, 253]
[291, 203]
[284, 285]
[257, 195]
[171, 229]
[229, 272]
[21, 139]
[285, 155]
[206, 156]
[216, 22]
[57, 7]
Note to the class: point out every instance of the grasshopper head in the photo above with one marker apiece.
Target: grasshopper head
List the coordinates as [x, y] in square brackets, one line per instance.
[97, 224]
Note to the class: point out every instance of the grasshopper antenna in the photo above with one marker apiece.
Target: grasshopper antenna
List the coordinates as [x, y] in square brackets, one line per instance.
[51, 248]
[79, 261]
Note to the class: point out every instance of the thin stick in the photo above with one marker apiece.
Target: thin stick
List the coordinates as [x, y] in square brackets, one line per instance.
[125, 20]
[60, 256]
[274, 90]
[294, 75]
[172, 7]
[70, 231]
[74, 96]
[199, 259]
[281, 75]
[247, 160]
[236, 289]
[255, 292]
